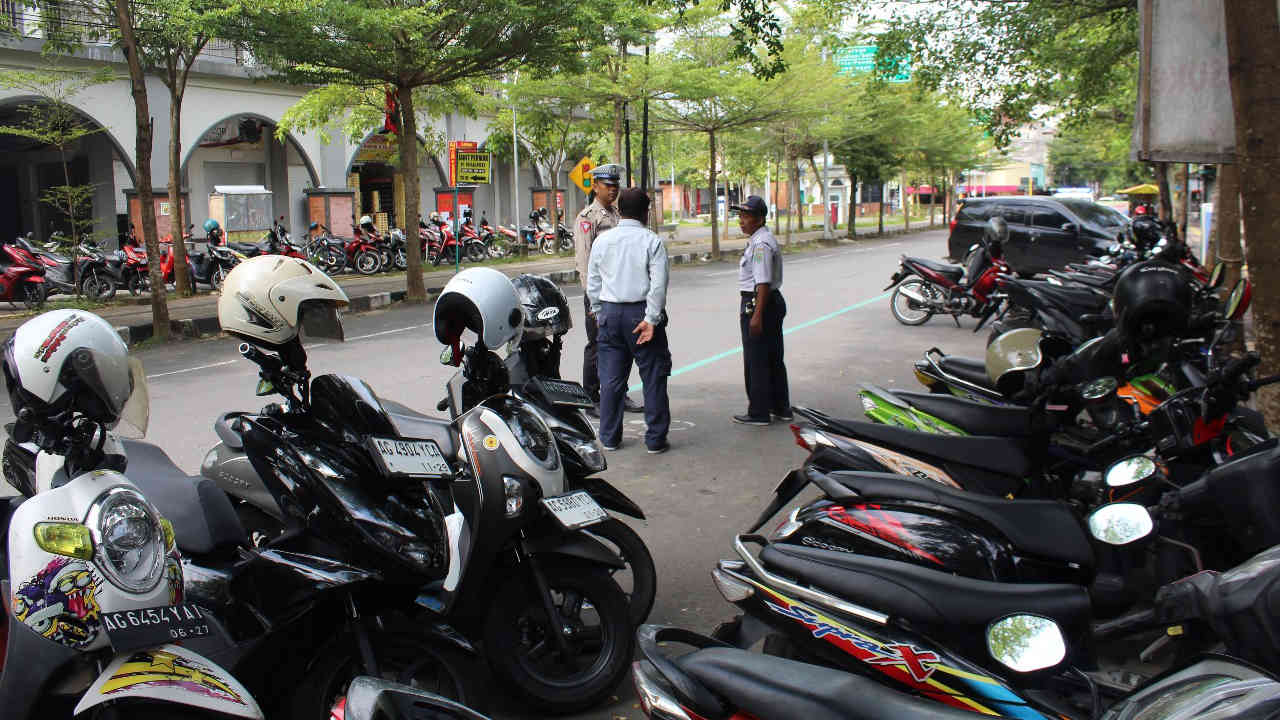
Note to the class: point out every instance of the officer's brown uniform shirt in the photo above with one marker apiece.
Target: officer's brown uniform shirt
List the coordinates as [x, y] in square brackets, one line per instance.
[593, 220]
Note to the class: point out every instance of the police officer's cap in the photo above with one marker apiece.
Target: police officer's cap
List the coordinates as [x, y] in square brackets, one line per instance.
[754, 205]
[610, 174]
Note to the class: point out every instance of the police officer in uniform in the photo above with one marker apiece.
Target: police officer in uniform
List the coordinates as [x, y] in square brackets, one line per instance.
[761, 311]
[595, 218]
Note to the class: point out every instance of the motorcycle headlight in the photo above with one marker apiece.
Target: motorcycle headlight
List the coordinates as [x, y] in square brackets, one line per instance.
[128, 538]
[589, 452]
[530, 431]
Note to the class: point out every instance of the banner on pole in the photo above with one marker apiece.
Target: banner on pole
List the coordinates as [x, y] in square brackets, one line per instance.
[455, 147]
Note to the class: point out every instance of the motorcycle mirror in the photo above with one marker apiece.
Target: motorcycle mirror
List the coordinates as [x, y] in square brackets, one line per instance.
[446, 356]
[1238, 301]
[265, 387]
[1218, 276]
[1130, 470]
[1099, 389]
[1070, 228]
[1120, 523]
[1026, 643]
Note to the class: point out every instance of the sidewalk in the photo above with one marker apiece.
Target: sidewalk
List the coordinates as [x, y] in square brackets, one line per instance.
[198, 315]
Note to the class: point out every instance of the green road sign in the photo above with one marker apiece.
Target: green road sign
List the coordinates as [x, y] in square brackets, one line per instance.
[861, 59]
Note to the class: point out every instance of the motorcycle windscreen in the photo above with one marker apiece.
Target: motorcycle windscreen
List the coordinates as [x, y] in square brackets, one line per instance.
[171, 674]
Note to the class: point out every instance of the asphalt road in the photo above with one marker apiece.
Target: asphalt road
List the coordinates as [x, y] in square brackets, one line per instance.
[717, 475]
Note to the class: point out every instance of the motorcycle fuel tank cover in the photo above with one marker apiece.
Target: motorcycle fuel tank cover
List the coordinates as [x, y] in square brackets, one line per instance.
[171, 674]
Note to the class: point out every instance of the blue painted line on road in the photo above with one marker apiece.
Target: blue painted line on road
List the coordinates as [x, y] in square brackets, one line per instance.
[786, 331]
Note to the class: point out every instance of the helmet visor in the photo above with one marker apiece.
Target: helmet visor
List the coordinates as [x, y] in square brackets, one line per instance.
[320, 320]
[111, 389]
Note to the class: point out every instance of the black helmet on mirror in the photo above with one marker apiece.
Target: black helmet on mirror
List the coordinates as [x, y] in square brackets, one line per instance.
[1147, 232]
[1152, 300]
[546, 310]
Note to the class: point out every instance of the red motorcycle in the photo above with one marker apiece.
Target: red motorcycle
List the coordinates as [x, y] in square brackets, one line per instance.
[362, 251]
[22, 277]
[438, 241]
[927, 287]
[473, 244]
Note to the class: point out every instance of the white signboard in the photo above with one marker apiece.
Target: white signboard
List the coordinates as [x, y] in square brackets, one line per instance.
[1184, 97]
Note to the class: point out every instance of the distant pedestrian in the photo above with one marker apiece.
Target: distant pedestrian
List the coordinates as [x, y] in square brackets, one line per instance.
[761, 312]
[627, 292]
[595, 218]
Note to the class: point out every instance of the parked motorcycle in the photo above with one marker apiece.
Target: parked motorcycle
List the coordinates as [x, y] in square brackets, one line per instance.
[95, 582]
[62, 274]
[21, 276]
[925, 287]
[326, 252]
[492, 543]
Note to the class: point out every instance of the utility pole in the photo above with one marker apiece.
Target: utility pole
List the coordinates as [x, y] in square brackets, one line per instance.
[515, 171]
[674, 219]
[626, 130]
[826, 153]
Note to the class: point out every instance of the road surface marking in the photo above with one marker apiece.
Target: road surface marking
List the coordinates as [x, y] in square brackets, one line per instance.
[786, 331]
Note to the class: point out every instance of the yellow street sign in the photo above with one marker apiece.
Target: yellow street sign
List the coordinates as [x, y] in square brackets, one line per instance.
[581, 174]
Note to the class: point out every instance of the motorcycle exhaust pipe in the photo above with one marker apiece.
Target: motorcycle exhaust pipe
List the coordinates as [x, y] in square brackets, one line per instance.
[914, 296]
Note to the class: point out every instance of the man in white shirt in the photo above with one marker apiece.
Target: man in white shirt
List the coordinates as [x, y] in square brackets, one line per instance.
[761, 311]
[627, 291]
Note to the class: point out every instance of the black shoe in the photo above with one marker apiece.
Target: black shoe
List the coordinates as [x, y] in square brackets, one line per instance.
[607, 446]
[665, 446]
[785, 416]
[748, 420]
[631, 406]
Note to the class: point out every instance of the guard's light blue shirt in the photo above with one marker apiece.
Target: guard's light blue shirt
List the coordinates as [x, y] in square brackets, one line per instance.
[761, 262]
[628, 264]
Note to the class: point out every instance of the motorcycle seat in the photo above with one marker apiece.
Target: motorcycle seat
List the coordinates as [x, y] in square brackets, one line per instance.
[203, 519]
[967, 369]
[973, 417]
[1070, 297]
[1045, 528]
[246, 248]
[1101, 282]
[774, 688]
[918, 594]
[1005, 456]
[413, 424]
[953, 272]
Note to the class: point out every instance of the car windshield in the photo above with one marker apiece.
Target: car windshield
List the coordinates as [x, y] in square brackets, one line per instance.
[1095, 214]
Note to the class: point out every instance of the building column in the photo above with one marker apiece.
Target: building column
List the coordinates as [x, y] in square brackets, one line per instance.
[102, 176]
[277, 174]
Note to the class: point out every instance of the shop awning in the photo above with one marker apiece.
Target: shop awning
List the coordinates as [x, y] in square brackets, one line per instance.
[1143, 189]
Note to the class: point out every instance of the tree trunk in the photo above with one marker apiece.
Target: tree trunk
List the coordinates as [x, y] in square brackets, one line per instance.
[777, 180]
[880, 230]
[1253, 66]
[185, 284]
[1225, 245]
[415, 288]
[715, 201]
[142, 159]
[906, 202]
[1166, 200]
[791, 194]
[71, 217]
[795, 193]
[933, 203]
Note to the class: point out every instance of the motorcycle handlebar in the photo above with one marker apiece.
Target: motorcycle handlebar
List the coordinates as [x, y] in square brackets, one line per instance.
[267, 362]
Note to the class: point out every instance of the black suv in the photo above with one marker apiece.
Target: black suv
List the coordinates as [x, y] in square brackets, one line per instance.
[1044, 232]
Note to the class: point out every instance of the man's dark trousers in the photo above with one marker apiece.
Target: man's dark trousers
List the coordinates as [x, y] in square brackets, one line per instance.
[762, 362]
[590, 372]
[617, 349]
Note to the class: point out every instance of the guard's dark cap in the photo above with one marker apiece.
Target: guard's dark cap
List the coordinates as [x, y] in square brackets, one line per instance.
[610, 174]
[754, 205]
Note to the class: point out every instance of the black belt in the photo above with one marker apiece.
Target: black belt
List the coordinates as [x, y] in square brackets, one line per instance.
[752, 293]
[624, 304]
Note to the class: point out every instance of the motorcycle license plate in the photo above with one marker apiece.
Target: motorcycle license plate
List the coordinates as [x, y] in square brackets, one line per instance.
[151, 627]
[400, 457]
[575, 510]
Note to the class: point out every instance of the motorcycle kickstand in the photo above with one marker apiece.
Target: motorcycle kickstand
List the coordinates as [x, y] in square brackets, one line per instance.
[548, 605]
[367, 657]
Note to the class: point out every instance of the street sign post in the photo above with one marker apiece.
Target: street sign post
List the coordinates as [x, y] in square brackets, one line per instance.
[861, 59]
[581, 174]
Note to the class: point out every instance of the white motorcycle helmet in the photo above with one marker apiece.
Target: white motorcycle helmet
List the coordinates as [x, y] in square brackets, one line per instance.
[74, 360]
[269, 299]
[483, 301]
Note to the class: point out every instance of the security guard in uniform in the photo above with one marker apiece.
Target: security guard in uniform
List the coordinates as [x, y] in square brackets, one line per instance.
[761, 311]
[600, 215]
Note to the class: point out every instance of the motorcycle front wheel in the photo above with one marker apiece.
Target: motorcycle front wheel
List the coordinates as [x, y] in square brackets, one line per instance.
[497, 249]
[524, 655]
[368, 262]
[98, 287]
[402, 260]
[639, 581]
[405, 654]
[476, 251]
[216, 279]
[549, 246]
[33, 295]
[908, 311]
[138, 284]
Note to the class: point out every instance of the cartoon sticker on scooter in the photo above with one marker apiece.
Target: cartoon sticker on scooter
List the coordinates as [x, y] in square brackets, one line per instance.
[61, 603]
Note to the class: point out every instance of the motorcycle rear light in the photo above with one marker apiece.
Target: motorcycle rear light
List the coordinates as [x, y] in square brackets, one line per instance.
[733, 589]
[805, 438]
[954, 220]
[655, 701]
